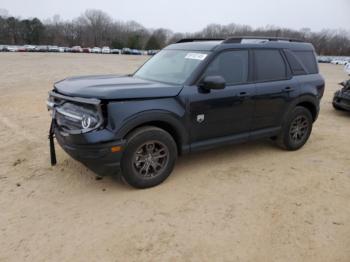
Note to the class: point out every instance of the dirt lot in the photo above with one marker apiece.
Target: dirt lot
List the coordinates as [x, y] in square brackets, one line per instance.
[251, 202]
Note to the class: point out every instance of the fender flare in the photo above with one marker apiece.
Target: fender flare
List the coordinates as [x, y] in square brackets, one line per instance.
[160, 116]
[311, 99]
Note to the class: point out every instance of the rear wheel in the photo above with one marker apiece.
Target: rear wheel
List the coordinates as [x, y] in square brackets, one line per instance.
[296, 130]
[149, 157]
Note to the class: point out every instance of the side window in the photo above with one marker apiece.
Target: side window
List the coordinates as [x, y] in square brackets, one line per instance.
[308, 59]
[269, 65]
[296, 66]
[231, 65]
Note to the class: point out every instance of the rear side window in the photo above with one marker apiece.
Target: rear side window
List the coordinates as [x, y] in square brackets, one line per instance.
[269, 65]
[231, 65]
[308, 60]
[295, 64]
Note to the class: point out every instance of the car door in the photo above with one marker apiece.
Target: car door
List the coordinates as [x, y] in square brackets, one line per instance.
[275, 88]
[215, 114]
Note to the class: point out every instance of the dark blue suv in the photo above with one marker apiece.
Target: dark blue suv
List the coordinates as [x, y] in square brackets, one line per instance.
[193, 95]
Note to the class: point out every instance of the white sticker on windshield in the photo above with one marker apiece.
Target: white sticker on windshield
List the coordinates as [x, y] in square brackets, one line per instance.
[196, 56]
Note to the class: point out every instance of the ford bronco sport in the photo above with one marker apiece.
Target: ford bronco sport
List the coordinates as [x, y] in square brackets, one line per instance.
[193, 95]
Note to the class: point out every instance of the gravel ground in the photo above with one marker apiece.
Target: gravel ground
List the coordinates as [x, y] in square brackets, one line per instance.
[251, 202]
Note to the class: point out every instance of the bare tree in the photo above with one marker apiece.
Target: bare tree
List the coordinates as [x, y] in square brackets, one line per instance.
[97, 28]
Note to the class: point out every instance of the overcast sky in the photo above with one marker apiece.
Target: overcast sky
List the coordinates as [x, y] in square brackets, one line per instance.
[193, 15]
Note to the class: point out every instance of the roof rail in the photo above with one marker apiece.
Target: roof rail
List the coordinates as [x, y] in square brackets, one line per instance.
[239, 39]
[187, 40]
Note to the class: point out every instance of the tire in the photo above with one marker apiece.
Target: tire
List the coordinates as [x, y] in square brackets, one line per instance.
[149, 157]
[296, 130]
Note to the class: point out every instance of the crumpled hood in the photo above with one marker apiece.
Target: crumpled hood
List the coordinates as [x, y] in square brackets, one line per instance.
[115, 87]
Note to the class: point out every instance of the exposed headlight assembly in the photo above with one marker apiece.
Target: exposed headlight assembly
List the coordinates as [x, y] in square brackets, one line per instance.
[75, 115]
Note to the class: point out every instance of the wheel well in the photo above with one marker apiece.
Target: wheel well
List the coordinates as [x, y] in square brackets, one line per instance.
[311, 107]
[165, 126]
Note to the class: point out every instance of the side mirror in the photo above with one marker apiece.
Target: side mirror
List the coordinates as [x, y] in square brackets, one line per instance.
[213, 82]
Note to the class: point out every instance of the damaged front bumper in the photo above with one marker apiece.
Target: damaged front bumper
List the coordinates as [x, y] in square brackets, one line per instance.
[98, 148]
[342, 99]
[101, 157]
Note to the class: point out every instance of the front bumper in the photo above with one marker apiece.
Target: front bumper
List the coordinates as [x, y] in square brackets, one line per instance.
[91, 150]
[342, 100]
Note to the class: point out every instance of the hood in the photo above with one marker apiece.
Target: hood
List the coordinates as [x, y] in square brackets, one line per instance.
[115, 87]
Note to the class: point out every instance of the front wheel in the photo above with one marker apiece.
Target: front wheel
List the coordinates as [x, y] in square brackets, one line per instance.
[149, 157]
[296, 130]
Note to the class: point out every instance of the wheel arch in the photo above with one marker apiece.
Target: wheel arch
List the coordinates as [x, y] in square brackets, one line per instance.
[309, 102]
[311, 107]
[161, 119]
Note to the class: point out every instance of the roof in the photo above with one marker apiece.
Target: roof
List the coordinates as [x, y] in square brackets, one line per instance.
[195, 46]
[240, 42]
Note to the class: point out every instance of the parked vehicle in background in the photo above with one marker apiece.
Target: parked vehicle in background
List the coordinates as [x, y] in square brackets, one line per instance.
[324, 59]
[115, 51]
[126, 51]
[341, 100]
[347, 68]
[76, 49]
[339, 62]
[21, 49]
[106, 50]
[86, 50]
[53, 49]
[152, 52]
[135, 52]
[41, 48]
[30, 48]
[12, 48]
[192, 95]
[96, 50]
[61, 49]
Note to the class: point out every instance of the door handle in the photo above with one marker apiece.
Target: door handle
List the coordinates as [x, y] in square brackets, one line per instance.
[243, 94]
[288, 89]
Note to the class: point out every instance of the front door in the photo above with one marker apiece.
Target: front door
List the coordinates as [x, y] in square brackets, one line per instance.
[216, 114]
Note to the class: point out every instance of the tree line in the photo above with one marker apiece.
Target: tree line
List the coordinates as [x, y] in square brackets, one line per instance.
[97, 28]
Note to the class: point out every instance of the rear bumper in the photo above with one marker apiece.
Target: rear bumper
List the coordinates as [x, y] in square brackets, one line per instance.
[97, 156]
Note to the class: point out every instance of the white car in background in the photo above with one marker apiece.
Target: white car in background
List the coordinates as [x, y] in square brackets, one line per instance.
[106, 50]
[339, 62]
[96, 50]
[12, 48]
[54, 48]
[30, 48]
[347, 68]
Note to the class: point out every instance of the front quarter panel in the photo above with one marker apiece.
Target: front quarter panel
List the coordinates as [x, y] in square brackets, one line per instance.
[124, 116]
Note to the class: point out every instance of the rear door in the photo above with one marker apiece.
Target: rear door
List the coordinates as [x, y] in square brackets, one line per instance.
[275, 88]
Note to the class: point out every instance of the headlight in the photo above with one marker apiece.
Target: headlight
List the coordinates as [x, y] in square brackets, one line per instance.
[88, 122]
[78, 118]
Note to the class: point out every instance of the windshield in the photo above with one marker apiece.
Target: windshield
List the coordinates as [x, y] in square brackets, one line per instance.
[171, 66]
